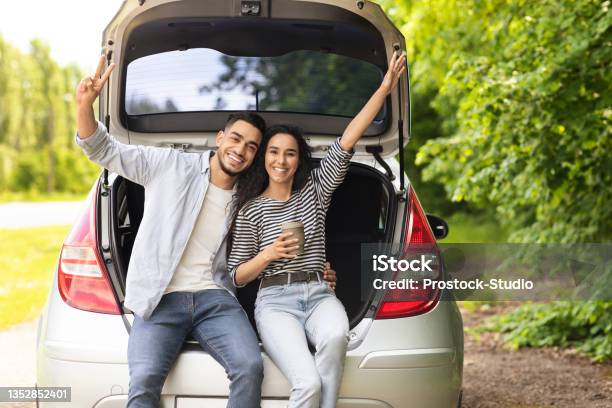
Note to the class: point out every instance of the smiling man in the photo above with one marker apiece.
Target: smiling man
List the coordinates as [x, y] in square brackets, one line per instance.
[177, 280]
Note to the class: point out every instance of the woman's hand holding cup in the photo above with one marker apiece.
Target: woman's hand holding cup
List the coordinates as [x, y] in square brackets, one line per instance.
[284, 247]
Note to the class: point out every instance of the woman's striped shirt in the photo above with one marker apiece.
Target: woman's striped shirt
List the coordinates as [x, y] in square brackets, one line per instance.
[258, 222]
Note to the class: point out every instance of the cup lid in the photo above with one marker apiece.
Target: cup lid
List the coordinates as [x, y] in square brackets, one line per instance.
[292, 224]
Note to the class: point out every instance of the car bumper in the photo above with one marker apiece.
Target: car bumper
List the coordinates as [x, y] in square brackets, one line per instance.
[106, 385]
[396, 363]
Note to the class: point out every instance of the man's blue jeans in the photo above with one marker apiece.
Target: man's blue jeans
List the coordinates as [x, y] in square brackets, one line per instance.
[220, 325]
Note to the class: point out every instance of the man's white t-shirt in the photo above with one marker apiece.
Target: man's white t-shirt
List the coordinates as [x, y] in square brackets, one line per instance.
[194, 271]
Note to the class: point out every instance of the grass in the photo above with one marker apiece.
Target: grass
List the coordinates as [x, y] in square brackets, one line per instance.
[27, 260]
[25, 196]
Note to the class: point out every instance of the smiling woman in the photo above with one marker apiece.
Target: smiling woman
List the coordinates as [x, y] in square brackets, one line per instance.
[287, 157]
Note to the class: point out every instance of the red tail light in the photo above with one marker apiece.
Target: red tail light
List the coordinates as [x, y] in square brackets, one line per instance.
[82, 279]
[418, 242]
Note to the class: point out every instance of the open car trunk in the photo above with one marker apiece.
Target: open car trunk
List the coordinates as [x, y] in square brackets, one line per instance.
[184, 65]
[347, 227]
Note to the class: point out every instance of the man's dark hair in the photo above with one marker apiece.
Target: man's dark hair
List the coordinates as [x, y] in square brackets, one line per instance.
[249, 117]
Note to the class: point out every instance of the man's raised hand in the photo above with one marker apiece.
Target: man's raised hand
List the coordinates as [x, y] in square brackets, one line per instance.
[86, 93]
[89, 88]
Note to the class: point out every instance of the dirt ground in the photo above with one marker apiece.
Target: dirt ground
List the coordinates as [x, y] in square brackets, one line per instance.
[494, 376]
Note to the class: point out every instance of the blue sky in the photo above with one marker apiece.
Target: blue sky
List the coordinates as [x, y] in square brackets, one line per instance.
[72, 28]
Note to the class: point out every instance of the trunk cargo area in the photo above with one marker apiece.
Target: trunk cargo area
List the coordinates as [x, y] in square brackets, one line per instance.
[362, 211]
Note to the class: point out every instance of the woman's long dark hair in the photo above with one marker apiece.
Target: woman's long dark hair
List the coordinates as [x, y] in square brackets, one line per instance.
[254, 181]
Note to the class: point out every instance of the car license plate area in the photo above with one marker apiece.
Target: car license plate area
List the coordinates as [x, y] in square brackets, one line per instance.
[196, 402]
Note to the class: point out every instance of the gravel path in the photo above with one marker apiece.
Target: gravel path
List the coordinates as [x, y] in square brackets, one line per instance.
[24, 215]
[18, 343]
[18, 367]
[494, 376]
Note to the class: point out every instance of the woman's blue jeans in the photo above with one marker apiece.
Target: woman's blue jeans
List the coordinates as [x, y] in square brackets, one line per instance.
[290, 318]
[222, 328]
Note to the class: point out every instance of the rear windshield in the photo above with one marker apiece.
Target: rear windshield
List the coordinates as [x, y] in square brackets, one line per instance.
[206, 80]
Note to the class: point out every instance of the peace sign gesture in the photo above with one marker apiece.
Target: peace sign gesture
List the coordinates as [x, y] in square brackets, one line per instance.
[89, 88]
[397, 66]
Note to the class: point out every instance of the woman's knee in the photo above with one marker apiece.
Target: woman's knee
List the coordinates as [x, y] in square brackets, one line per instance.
[308, 387]
[336, 338]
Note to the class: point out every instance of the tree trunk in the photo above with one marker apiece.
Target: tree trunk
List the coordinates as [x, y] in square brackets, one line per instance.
[51, 157]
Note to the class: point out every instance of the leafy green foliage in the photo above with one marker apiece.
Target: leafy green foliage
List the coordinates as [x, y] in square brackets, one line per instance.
[585, 325]
[511, 113]
[37, 123]
[473, 228]
[520, 91]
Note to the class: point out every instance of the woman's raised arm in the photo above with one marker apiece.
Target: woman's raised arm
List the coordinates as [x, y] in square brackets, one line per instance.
[360, 123]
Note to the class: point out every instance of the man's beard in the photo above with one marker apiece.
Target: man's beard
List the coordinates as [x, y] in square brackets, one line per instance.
[227, 171]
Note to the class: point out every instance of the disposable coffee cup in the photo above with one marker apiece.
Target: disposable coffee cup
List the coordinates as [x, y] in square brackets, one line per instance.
[297, 228]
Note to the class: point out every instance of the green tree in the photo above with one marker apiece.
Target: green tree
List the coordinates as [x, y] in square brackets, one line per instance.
[522, 93]
[9, 103]
[37, 122]
[53, 111]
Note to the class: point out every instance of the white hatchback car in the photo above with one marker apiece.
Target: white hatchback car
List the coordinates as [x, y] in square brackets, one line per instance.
[183, 66]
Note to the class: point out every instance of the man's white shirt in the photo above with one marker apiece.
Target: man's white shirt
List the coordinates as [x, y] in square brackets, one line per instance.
[194, 271]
